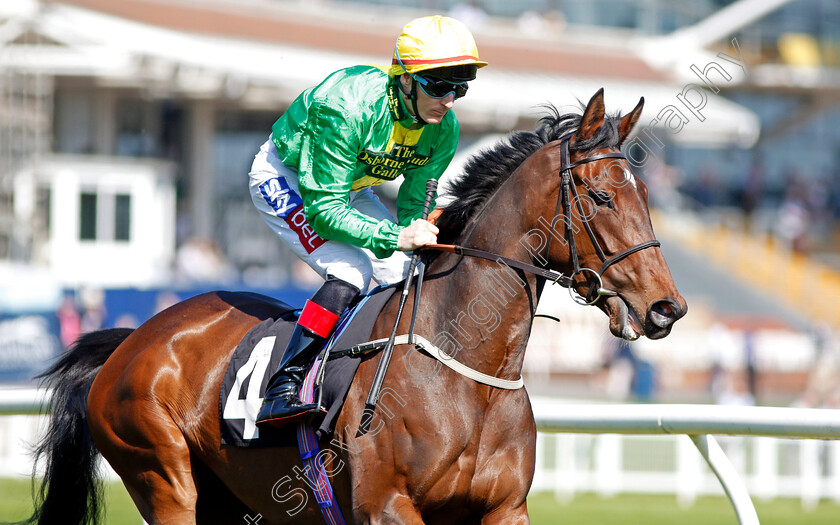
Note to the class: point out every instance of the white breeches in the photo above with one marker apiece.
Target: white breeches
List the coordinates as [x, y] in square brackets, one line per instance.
[275, 193]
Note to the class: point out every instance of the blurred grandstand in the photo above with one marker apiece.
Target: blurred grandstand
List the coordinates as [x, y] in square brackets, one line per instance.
[128, 128]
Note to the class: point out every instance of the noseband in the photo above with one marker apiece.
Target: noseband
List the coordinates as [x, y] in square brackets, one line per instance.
[568, 194]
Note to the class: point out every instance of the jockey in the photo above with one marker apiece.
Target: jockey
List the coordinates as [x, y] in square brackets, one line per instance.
[311, 181]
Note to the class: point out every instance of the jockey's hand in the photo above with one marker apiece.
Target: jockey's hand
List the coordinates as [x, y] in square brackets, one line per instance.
[418, 233]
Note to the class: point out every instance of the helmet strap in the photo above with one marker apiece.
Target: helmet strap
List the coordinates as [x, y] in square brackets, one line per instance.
[412, 96]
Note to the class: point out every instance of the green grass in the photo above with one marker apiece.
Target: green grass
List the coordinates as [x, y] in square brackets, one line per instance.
[583, 509]
[590, 509]
[16, 503]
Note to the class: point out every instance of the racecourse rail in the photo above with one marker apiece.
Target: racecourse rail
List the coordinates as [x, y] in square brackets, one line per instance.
[698, 422]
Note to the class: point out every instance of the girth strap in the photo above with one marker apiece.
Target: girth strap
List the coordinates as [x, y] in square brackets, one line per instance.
[448, 360]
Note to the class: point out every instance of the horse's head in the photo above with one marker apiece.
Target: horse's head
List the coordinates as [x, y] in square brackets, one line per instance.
[602, 215]
[600, 234]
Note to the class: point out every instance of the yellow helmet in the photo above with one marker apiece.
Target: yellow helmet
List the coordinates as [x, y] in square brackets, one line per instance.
[433, 42]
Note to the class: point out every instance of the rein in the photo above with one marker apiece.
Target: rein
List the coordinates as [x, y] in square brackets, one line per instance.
[547, 273]
[567, 194]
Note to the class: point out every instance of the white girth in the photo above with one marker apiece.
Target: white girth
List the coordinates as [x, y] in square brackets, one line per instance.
[457, 366]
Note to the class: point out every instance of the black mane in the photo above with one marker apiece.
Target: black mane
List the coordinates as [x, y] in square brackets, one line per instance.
[485, 172]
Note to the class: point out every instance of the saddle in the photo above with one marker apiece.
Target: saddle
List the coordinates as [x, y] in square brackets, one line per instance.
[254, 360]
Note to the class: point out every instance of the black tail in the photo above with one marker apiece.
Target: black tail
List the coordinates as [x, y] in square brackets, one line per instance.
[70, 493]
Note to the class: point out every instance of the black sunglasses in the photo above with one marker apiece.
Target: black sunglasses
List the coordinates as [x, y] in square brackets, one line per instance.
[437, 88]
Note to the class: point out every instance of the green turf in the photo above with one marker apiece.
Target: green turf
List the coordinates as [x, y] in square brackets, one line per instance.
[16, 503]
[583, 509]
[590, 509]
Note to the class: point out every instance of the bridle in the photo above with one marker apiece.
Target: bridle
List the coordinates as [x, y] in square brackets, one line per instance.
[568, 193]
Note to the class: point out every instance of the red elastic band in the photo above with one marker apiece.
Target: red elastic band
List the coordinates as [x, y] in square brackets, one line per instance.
[317, 319]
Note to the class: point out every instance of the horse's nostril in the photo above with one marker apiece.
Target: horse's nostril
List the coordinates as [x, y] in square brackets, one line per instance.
[664, 308]
[664, 313]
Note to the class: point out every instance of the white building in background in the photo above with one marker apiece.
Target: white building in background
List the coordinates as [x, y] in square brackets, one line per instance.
[103, 220]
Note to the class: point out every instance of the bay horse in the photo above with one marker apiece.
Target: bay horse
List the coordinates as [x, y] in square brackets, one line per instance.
[441, 448]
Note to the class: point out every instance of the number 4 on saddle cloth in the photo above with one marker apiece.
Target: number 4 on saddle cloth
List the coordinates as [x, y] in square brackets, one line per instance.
[254, 360]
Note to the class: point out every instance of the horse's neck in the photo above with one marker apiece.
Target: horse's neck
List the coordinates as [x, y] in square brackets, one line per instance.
[487, 307]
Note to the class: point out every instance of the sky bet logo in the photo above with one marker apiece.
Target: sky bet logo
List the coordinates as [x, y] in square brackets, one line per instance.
[289, 206]
[280, 197]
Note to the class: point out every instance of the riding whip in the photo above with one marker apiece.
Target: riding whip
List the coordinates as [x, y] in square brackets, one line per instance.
[379, 378]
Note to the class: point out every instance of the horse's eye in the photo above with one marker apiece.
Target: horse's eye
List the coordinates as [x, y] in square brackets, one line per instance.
[602, 198]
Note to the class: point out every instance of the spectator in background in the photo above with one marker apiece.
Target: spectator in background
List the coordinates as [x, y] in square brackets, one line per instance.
[834, 195]
[734, 389]
[705, 188]
[818, 201]
[201, 260]
[662, 181]
[752, 193]
[69, 321]
[628, 375]
[823, 388]
[750, 354]
[126, 320]
[303, 275]
[794, 220]
[93, 309]
[164, 300]
[728, 380]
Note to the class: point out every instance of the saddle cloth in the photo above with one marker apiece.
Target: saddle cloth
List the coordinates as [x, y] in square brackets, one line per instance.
[255, 360]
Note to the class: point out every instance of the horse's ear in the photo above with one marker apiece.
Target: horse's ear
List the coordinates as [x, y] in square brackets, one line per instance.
[628, 121]
[593, 117]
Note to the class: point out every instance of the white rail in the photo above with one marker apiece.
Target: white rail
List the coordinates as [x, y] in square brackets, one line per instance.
[687, 419]
[21, 400]
[698, 422]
